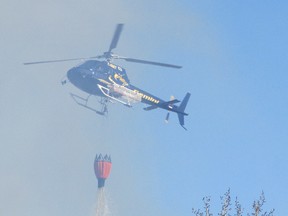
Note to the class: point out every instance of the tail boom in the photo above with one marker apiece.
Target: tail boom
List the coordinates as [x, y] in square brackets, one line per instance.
[170, 106]
[181, 110]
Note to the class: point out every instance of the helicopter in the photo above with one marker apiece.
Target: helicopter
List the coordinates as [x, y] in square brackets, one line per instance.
[111, 83]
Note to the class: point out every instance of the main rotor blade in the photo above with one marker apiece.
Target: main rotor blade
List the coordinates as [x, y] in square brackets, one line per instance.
[150, 62]
[60, 60]
[116, 37]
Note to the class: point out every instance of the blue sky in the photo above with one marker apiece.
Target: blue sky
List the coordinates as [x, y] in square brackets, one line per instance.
[234, 58]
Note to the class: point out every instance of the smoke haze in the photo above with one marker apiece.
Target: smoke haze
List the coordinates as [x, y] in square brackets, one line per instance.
[237, 123]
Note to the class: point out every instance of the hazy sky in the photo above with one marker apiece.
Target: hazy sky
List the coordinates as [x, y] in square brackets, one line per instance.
[234, 58]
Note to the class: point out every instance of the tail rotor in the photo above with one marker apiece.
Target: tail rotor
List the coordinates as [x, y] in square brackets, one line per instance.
[172, 98]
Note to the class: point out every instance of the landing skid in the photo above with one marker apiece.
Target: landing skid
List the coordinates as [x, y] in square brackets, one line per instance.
[84, 103]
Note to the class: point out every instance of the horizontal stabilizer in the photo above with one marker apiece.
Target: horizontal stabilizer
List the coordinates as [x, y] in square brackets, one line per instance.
[161, 105]
[167, 103]
[172, 101]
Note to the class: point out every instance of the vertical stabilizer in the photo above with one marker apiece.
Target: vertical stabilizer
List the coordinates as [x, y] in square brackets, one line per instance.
[181, 110]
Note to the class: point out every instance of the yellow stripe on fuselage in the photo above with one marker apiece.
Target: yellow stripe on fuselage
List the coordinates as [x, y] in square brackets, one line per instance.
[104, 81]
[146, 97]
